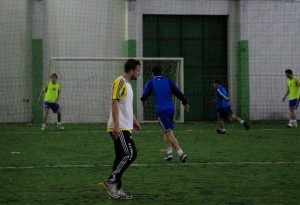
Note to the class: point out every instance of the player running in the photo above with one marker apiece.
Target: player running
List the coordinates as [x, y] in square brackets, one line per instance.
[293, 90]
[223, 108]
[162, 90]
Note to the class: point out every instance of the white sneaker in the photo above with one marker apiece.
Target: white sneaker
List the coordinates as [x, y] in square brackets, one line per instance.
[59, 126]
[123, 195]
[295, 124]
[43, 127]
[111, 190]
[289, 125]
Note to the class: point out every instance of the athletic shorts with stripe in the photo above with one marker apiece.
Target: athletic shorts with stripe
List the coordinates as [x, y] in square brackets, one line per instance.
[166, 118]
[125, 154]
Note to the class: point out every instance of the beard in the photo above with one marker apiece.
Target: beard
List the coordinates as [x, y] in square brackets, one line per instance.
[133, 77]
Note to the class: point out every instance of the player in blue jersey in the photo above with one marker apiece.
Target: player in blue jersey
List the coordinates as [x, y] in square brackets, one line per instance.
[223, 107]
[162, 90]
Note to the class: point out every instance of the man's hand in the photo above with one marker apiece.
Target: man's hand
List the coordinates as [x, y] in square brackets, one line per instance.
[283, 99]
[137, 127]
[116, 133]
[186, 107]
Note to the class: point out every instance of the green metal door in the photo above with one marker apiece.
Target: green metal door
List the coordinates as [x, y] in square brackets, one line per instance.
[202, 41]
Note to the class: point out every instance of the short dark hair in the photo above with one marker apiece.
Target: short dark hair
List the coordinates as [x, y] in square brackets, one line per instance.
[289, 71]
[131, 64]
[54, 75]
[156, 70]
[217, 81]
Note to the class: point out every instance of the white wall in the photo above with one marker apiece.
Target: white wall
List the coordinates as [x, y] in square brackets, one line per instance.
[15, 61]
[272, 29]
[76, 28]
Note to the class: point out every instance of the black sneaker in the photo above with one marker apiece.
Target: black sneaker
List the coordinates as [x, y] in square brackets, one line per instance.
[246, 126]
[183, 158]
[219, 131]
[169, 157]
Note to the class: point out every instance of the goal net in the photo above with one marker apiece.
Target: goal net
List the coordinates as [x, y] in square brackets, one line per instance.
[86, 86]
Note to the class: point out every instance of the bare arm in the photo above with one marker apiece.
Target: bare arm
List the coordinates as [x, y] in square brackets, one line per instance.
[286, 94]
[41, 93]
[57, 96]
[115, 115]
[136, 125]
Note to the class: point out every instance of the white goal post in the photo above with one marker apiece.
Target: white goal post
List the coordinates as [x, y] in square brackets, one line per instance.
[86, 85]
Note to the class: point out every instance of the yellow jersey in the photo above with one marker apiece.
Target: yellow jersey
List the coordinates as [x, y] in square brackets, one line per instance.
[52, 91]
[294, 88]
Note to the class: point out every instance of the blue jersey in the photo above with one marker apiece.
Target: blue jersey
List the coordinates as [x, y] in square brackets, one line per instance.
[162, 90]
[221, 98]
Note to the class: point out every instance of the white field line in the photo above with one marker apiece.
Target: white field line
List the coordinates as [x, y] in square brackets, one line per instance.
[149, 165]
[147, 131]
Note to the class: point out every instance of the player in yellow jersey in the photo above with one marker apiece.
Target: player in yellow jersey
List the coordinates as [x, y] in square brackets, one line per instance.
[293, 90]
[52, 90]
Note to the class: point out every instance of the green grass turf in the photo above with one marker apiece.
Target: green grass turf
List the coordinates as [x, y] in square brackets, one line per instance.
[245, 177]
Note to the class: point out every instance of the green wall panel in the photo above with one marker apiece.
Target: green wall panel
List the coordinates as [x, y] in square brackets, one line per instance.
[37, 79]
[202, 42]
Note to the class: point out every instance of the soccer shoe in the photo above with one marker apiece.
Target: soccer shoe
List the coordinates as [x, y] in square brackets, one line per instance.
[183, 158]
[169, 157]
[60, 127]
[245, 125]
[219, 131]
[289, 125]
[123, 195]
[111, 190]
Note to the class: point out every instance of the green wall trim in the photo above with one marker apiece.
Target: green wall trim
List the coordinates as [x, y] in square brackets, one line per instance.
[130, 48]
[37, 79]
[243, 80]
[130, 51]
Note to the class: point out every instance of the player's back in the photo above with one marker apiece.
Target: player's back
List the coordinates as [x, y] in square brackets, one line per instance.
[221, 95]
[162, 93]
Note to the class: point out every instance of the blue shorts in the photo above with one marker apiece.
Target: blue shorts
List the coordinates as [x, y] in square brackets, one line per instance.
[54, 106]
[224, 112]
[166, 120]
[293, 104]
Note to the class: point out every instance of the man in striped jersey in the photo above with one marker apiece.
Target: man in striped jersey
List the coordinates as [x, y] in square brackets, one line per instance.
[120, 125]
[223, 108]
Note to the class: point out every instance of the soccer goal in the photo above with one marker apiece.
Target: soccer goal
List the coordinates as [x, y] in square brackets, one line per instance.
[86, 86]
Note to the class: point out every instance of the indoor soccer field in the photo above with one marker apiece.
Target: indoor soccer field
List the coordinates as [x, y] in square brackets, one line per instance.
[259, 166]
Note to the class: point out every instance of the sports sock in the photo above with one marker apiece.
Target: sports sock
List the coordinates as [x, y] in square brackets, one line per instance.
[179, 152]
[170, 150]
[43, 125]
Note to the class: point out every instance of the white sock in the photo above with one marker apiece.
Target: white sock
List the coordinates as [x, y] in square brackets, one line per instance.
[223, 130]
[169, 150]
[242, 121]
[291, 121]
[58, 123]
[179, 152]
[43, 125]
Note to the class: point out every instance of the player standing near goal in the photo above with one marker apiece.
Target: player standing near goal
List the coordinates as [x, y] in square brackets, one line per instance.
[52, 90]
[120, 125]
[223, 108]
[162, 90]
[293, 90]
